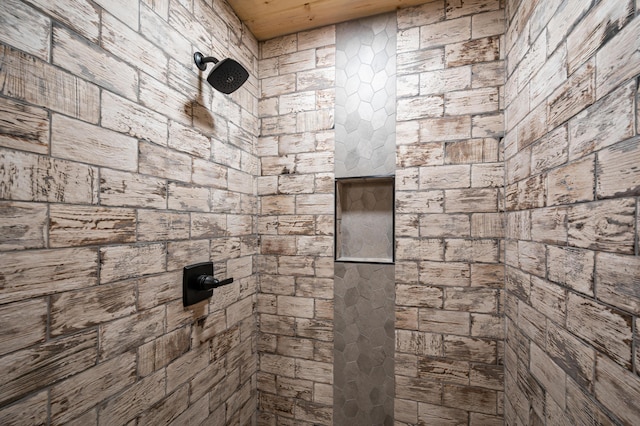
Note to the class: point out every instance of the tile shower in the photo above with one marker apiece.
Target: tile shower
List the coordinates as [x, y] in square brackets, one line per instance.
[516, 217]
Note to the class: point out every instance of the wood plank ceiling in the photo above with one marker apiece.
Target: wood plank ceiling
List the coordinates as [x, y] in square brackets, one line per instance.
[267, 19]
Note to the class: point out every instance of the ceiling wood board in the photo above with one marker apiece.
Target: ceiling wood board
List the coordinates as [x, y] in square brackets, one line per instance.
[267, 19]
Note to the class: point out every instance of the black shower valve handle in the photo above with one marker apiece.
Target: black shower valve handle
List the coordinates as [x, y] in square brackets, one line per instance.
[208, 282]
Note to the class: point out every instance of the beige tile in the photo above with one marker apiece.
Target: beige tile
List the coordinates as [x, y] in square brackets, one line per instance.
[78, 225]
[608, 330]
[615, 385]
[608, 121]
[95, 64]
[23, 324]
[472, 52]
[24, 226]
[445, 32]
[42, 84]
[26, 29]
[81, 142]
[24, 127]
[585, 231]
[66, 269]
[573, 96]
[455, 8]
[73, 311]
[32, 410]
[571, 183]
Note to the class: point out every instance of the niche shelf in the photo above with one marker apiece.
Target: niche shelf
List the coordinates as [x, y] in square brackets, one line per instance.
[364, 219]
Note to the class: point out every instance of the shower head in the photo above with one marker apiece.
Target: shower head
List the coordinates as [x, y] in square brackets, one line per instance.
[226, 76]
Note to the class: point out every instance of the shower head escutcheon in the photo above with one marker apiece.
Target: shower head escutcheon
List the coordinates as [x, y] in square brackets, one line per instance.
[226, 76]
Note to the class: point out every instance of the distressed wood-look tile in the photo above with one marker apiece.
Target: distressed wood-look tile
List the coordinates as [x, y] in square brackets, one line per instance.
[613, 386]
[134, 400]
[618, 170]
[25, 28]
[65, 269]
[485, 49]
[127, 333]
[608, 121]
[30, 369]
[573, 96]
[81, 142]
[30, 177]
[32, 410]
[124, 116]
[75, 395]
[78, 225]
[120, 262]
[607, 329]
[24, 225]
[22, 324]
[604, 225]
[77, 310]
[619, 50]
[128, 189]
[92, 63]
[83, 17]
[42, 84]
[24, 127]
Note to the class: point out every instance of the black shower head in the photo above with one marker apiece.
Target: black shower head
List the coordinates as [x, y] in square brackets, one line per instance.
[226, 76]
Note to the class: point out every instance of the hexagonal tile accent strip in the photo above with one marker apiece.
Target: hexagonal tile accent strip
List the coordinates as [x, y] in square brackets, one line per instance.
[365, 112]
[364, 344]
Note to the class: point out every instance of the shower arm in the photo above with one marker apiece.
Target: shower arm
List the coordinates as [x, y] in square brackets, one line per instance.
[202, 61]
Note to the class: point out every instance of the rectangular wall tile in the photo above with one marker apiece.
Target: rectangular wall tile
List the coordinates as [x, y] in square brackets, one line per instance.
[124, 116]
[471, 52]
[25, 28]
[95, 64]
[75, 395]
[76, 225]
[129, 189]
[121, 335]
[617, 281]
[605, 328]
[121, 262]
[607, 122]
[615, 385]
[24, 226]
[66, 269]
[617, 50]
[24, 127]
[42, 84]
[77, 310]
[584, 231]
[617, 172]
[28, 369]
[81, 142]
[23, 324]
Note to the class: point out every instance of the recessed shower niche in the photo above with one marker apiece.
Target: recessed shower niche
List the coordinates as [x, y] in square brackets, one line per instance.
[364, 219]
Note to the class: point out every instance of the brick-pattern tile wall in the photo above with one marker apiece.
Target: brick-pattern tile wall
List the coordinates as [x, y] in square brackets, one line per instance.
[295, 223]
[572, 153]
[119, 165]
[449, 220]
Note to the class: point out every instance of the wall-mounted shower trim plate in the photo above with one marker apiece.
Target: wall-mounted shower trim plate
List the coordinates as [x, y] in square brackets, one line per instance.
[190, 294]
[198, 283]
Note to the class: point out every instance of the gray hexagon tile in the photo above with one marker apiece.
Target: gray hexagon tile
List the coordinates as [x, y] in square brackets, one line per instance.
[365, 97]
[364, 344]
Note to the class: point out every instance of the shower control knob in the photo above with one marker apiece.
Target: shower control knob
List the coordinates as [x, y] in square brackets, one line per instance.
[207, 282]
